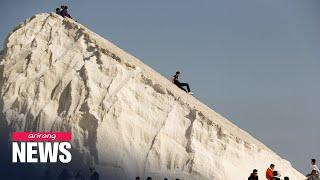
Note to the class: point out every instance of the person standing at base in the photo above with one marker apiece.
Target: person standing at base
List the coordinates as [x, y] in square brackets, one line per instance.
[254, 175]
[313, 175]
[314, 165]
[181, 85]
[269, 172]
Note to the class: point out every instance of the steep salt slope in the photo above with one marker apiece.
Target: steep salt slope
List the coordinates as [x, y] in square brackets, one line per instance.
[126, 119]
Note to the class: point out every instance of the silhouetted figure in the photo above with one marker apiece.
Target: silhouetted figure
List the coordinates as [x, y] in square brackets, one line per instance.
[314, 165]
[165, 179]
[58, 11]
[254, 175]
[269, 172]
[138, 178]
[181, 85]
[64, 12]
[94, 174]
[149, 178]
[64, 175]
[286, 178]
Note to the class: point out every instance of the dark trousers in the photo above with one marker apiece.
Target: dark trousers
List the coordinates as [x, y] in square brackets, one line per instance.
[182, 85]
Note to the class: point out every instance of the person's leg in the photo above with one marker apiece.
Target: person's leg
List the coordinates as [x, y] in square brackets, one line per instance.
[186, 85]
[179, 86]
[182, 88]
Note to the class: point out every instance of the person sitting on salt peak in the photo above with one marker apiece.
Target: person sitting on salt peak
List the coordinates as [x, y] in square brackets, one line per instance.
[254, 175]
[176, 81]
[58, 11]
[64, 12]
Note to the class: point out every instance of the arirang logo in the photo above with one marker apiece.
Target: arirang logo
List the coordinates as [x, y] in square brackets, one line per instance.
[43, 147]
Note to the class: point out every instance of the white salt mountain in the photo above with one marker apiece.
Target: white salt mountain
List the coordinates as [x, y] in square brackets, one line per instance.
[126, 119]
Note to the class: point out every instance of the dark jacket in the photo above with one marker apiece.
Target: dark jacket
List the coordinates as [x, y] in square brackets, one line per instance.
[64, 13]
[251, 177]
[175, 80]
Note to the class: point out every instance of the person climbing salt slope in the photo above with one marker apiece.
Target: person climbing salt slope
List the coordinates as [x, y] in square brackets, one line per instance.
[176, 81]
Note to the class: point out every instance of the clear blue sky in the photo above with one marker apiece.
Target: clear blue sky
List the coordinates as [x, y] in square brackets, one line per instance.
[254, 61]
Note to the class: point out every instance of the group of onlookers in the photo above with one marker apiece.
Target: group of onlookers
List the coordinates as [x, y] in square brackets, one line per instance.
[271, 174]
[63, 11]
